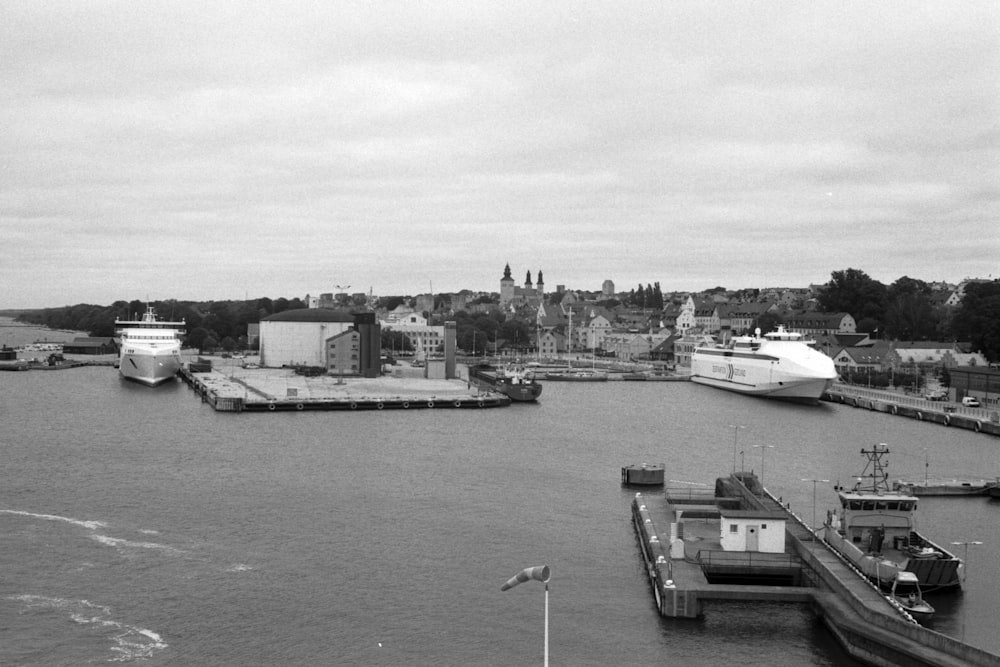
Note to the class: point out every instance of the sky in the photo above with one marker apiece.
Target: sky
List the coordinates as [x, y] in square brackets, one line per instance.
[228, 150]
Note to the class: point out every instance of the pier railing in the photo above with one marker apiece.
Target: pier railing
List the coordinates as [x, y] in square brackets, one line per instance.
[913, 401]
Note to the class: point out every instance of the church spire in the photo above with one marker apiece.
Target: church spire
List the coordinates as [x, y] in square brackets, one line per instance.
[506, 272]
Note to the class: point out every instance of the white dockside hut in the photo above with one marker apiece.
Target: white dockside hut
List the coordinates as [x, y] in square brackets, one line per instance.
[749, 530]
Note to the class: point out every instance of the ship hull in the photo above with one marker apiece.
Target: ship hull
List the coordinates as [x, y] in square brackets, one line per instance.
[793, 389]
[933, 574]
[804, 378]
[515, 388]
[150, 368]
[520, 392]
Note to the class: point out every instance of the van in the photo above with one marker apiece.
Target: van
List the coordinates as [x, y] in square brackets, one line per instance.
[970, 402]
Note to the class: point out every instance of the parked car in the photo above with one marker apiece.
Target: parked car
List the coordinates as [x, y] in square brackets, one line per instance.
[970, 402]
[937, 396]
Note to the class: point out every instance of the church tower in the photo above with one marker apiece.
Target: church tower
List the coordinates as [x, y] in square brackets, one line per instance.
[506, 287]
[540, 286]
[527, 281]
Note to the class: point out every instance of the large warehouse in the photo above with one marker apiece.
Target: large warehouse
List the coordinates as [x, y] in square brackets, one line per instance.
[314, 337]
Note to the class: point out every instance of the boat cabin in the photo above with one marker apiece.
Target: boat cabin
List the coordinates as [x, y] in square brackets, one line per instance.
[870, 520]
[750, 530]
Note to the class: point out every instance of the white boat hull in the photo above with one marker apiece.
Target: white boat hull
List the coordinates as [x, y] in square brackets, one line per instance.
[760, 377]
[150, 367]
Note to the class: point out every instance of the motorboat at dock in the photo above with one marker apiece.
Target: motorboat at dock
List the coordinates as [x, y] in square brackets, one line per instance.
[875, 529]
[516, 382]
[907, 594]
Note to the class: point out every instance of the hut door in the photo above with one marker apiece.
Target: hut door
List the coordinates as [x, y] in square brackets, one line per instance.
[752, 536]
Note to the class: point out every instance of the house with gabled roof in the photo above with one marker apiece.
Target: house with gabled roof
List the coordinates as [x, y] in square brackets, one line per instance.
[706, 315]
[552, 342]
[876, 357]
[821, 323]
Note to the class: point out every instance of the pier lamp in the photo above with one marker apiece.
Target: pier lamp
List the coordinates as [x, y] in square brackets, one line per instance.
[965, 575]
[736, 429]
[762, 448]
[814, 481]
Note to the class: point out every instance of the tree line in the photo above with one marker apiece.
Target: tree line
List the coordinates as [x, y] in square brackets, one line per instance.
[903, 310]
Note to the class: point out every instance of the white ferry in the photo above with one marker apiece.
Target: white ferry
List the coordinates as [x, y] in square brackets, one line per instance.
[150, 349]
[781, 364]
[875, 528]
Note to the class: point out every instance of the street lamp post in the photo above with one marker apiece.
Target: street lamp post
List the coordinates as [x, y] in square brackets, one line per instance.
[736, 429]
[814, 481]
[965, 574]
[763, 448]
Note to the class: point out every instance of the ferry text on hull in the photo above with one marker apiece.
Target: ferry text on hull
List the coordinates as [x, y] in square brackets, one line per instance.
[781, 364]
[150, 349]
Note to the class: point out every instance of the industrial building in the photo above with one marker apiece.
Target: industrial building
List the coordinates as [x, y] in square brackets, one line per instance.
[341, 342]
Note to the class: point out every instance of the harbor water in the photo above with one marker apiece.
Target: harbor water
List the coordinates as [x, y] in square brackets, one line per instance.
[140, 526]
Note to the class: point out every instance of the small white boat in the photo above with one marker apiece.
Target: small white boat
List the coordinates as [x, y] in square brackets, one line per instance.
[906, 591]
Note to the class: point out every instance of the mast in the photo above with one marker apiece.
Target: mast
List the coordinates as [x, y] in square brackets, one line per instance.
[875, 470]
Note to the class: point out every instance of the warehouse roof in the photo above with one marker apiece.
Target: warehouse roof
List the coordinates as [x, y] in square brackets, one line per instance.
[310, 315]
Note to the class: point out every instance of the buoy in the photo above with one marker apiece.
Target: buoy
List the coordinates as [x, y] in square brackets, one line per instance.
[919, 416]
[406, 404]
[430, 404]
[893, 409]
[299, 406]
[854, 402]
[979, 426]
[481, 403]
[354, 406]
[379, 405]
[458, 404]
[270, 406]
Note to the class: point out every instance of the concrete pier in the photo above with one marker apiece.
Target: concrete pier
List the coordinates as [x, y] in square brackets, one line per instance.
[979, 420]
[868, 625]
[274, 390]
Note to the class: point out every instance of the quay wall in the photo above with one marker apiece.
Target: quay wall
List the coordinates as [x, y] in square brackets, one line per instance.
[947, 414]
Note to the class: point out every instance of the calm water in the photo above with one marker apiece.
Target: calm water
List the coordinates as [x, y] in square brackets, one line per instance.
[140, 526]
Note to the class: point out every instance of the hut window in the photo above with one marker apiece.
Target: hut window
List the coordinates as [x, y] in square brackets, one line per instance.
[733, 528]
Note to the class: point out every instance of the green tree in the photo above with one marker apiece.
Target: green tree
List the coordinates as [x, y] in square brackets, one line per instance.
[196, 338]
[909, 313]
[853, 291]
[977, 318]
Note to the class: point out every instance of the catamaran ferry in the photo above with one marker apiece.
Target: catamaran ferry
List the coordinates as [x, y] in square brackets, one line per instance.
[150, 349]
[781, 364]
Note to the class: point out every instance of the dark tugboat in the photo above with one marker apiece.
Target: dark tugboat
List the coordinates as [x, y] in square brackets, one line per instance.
[513, 381]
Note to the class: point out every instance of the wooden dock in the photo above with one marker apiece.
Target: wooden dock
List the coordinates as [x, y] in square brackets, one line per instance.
[867, 624]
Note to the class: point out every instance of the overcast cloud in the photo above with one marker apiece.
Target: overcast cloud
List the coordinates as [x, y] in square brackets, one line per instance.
[200, 150]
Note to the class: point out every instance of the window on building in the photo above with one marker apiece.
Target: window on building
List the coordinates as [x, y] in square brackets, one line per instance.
[734, 528]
